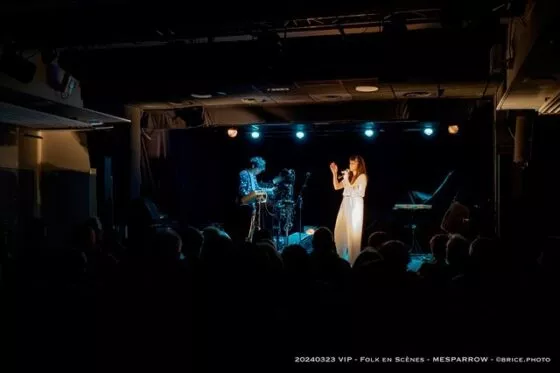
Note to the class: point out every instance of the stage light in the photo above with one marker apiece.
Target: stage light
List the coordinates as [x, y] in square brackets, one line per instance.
[369, 132]
[428, 131]
[310, 231]
[255, 134]
[300, 134]
[453, 129]
[232, 132]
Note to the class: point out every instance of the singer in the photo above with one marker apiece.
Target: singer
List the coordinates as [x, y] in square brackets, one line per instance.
[350, 219]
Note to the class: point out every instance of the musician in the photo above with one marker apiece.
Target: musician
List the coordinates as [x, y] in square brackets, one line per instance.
[251, 192]
[249, 189]
[350, 219]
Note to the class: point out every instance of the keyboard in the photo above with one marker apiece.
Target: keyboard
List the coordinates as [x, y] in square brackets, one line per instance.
[413, 207]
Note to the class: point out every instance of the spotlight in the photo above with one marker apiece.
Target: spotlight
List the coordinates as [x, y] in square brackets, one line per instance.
[453, 129]
[369, 132]
[300, 134]
[255, 134]
[232, 132]
[428, 131]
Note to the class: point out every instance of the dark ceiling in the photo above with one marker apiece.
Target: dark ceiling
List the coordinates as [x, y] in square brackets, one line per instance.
[65, 23]
[174, 71]
[130, 53]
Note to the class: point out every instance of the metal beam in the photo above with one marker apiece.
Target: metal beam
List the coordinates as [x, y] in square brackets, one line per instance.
[303, 33]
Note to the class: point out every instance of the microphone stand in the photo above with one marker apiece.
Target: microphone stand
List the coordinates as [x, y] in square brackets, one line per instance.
[300, 202]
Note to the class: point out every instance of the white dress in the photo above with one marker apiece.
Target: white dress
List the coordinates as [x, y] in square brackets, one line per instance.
[350, 219]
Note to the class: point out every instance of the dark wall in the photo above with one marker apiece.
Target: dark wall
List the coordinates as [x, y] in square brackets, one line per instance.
[542, 185]
[8, 181]
[529, 196]
[17, 183]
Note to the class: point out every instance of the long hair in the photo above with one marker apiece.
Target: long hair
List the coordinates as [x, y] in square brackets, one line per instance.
[361, 168]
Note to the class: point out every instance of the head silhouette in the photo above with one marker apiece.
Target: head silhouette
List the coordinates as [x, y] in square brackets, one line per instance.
[323, 241]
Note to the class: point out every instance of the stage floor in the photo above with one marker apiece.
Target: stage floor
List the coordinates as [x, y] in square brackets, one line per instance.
[304, 239]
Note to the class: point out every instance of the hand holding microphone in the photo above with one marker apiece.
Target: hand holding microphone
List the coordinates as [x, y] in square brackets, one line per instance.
[345, 175]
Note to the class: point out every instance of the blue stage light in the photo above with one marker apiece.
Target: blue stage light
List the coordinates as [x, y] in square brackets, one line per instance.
[300, 134]
[369, 132]
[255, 134]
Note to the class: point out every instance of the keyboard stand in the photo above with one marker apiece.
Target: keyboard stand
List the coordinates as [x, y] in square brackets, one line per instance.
[415, 247]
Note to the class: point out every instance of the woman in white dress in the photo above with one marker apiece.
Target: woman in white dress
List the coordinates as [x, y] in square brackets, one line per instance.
[350, 219]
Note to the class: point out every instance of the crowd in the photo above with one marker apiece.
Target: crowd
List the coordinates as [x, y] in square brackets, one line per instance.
[180, 299]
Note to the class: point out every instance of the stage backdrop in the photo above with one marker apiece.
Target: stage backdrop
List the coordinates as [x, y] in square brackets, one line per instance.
[198, 180]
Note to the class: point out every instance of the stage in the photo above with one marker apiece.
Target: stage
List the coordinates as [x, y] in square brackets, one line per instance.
[198, 181]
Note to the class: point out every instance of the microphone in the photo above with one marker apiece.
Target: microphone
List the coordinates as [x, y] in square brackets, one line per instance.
[344, 173]
[307, 175]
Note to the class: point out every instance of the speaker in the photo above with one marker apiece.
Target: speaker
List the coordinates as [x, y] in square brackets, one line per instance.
[456, 219]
